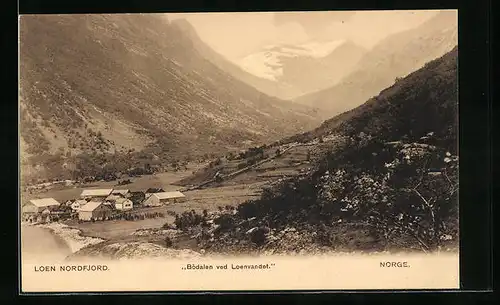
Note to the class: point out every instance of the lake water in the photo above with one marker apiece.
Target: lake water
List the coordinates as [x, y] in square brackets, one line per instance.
[41, 245]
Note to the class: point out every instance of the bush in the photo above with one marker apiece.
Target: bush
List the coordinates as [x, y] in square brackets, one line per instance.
[188, 220]
[124, 182]
[258, 236]
[225, 222]
[168, 242]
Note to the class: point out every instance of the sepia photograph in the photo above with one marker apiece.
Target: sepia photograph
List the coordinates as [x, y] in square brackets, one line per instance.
[239, 151]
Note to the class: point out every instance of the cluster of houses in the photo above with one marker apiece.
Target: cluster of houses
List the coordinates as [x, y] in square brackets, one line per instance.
[97, 204]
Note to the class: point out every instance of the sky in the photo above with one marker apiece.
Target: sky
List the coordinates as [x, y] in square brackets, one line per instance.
[236, 35]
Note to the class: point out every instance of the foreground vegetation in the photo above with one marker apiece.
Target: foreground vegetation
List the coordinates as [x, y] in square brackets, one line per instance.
[391, 185]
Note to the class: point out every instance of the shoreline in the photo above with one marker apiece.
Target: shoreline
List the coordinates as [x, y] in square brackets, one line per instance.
[74, 241]
[71, 236]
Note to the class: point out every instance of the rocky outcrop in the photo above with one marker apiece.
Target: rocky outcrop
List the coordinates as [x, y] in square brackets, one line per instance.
[132, 250]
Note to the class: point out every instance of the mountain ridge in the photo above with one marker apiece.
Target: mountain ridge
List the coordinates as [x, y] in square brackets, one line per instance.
[394, 57]
[111, 83]
[265, 86]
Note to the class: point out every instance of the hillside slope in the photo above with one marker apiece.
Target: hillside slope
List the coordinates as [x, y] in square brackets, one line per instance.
[392, 58]
[118, 83]
[390, 184]
[271, 88]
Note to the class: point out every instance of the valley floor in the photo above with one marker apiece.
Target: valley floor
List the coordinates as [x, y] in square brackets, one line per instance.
[205, 199]
[244, 186]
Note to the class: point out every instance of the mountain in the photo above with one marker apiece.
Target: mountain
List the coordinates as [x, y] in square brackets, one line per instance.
[269, 87]
[390, 183]
[393, 57]
[306, 67]
[104, 84]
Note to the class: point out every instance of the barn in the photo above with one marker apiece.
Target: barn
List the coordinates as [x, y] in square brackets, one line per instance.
[94, 210]
[96, 194]
[36, 206]
[158, 199]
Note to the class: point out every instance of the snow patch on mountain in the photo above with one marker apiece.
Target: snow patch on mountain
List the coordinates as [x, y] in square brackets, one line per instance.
[266, 63]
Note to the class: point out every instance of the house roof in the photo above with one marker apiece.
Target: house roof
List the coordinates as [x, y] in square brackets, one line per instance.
[169, 195]
[90, 206]
[44, 202]
[122, 192]
[96, 192]
[80, 202]
[122, 200]
[113, 197]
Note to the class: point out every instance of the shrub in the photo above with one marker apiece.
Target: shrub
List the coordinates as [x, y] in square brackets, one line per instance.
[168, 242]
[258, 236]
[188, 220]
[225, 222]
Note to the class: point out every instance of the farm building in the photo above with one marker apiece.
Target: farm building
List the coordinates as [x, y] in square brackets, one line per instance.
[157, 199]
[96, 194]
[39, 205]
[93, 210]
[78, 204]
[123, 193]
[123, 204]
[113, 197]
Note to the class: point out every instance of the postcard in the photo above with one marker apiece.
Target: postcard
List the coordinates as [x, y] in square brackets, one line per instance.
[241, 151]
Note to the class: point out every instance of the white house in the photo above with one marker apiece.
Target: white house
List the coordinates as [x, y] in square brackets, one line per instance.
[39, 205]
[93, 209]
[158, 199]
[123, 204]
[78, 204]
[96, 194]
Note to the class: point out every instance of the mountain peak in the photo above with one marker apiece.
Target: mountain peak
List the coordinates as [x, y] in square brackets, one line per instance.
[326, 60]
